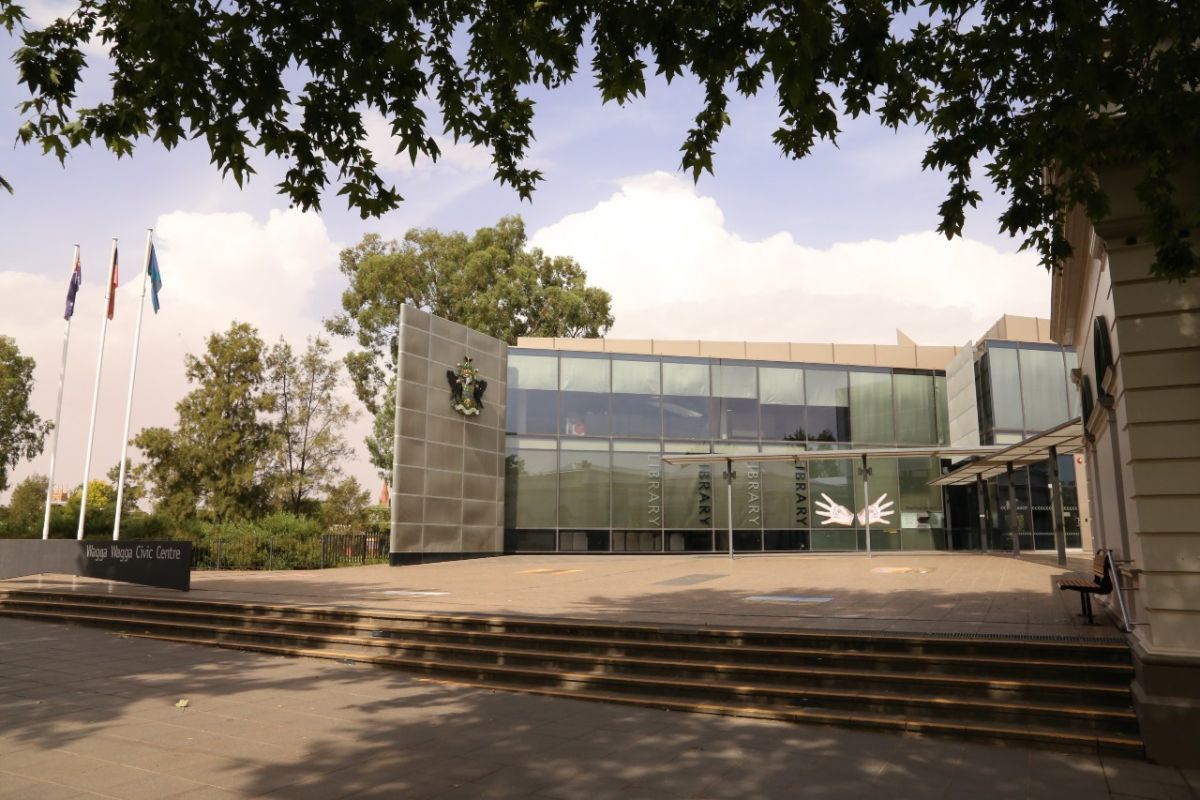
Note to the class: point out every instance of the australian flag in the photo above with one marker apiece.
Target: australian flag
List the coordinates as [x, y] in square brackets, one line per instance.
[73, 289]
[155, 279]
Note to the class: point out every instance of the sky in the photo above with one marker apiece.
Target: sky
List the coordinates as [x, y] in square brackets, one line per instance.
[840, 246]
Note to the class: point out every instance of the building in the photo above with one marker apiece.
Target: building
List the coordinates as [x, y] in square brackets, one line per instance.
[1138, 340]
[567, 453]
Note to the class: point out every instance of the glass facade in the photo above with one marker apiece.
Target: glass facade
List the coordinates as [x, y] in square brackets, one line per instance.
[587, 433]
[1023, 389]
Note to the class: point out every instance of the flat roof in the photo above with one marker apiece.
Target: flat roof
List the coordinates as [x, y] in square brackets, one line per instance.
[833, 455]
[1067, 438]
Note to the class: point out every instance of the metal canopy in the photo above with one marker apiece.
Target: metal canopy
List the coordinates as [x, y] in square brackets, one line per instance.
[833, 455]
[1066, 439]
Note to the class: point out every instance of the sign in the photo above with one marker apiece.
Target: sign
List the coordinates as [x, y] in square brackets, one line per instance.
[167, 564]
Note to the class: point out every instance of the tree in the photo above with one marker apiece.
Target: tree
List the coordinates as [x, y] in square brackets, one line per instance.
[101, 506]
[308, 443]
[383, 431]
[22, 432]
[27, 506]
[1022, 87]
[491, 281]
[218, 457]
[135, 488]
[346, 505]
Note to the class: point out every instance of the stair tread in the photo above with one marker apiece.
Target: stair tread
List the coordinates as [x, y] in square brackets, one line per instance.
[797, 714]
[851, 655]
[916, 658]
[1073, 710]
[975, 681]
[1107, 645]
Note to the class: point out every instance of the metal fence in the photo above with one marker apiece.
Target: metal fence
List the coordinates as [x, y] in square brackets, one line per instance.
[289, 552]
[342, 549]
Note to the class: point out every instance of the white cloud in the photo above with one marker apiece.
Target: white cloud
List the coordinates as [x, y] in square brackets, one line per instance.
[675, 271]
[216, 268]
[457, 158]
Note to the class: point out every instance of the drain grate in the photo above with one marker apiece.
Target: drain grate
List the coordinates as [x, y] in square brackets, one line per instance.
[414, 592]
[689, 580]
[787, 598]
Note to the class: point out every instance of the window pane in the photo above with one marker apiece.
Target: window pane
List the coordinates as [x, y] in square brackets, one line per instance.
[785, 495]
[739, 418]
[584, 374]
[747, 496]
[871, 407]
[828, 415]
[583, 486]
[1043, 388]
[735, 381]
[781, 386]
[1072, 390]
[532, 411]
[688, 495]
[637, 487]
[832, 485]
[916, 417]
[827, 387]
[687, 417]
[532, 372]
[635, 377]
[636, 415]
[1006, 388]
[531, 488]
[584, 414]
[943, 413]
[689, 380]
[783, 423]
[884, 488]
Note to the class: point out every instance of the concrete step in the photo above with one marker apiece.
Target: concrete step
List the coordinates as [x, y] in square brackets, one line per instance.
[1033, 691]
[973, 646]
[586, 687]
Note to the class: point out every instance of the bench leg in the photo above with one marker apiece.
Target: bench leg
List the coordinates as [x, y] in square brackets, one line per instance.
[1087, 603]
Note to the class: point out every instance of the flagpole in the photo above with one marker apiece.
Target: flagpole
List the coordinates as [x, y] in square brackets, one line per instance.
[137, 338]
[62, 378]
[87, 460]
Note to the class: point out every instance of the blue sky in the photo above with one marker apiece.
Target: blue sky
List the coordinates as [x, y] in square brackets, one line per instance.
[837, 247]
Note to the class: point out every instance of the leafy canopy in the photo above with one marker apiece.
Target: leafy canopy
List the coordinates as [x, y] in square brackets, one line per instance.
[22, 431]
[490, 281]
[261, 430]
[1019, 86]
[217, 456]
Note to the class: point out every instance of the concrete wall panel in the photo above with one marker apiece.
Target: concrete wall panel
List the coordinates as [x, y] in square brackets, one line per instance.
[438, 448]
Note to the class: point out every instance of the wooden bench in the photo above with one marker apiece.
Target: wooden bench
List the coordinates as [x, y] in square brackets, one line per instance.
[1101, 583]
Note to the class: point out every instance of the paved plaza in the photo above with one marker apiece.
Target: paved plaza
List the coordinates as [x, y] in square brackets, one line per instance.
[922, 593]
[85, 713]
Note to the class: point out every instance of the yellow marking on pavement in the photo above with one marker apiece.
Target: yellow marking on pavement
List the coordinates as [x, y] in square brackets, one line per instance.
[547, 571]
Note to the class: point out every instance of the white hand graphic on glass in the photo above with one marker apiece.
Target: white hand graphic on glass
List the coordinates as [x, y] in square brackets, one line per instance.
[834, 513]
[878, 511]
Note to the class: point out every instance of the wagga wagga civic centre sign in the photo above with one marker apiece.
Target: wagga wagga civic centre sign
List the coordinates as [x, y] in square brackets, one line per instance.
[151, 563]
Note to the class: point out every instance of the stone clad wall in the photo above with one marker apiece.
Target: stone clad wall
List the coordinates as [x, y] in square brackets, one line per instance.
[1144, 446]
[448, 482]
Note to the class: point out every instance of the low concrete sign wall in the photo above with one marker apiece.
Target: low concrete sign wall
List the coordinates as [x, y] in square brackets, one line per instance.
[163, 563]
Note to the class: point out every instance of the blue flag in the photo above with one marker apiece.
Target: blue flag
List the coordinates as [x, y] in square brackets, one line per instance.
[73, 289]
[155, 279]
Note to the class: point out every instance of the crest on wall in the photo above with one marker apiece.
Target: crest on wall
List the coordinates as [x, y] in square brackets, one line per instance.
[466, 388]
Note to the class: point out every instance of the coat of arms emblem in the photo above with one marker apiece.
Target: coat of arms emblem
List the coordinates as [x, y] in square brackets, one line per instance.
[466, 388]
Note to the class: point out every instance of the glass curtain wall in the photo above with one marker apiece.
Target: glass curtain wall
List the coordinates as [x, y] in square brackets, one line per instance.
[1024, 389]
[587, 434]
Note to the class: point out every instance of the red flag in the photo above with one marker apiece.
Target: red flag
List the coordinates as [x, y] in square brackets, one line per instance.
[112, 284]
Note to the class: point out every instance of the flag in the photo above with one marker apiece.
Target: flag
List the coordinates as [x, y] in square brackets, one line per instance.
[72, 289]
[112, 284]
[155, 279]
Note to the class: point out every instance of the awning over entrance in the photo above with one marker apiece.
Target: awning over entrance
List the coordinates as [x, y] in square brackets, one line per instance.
[952, 453]
[1065, 439]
